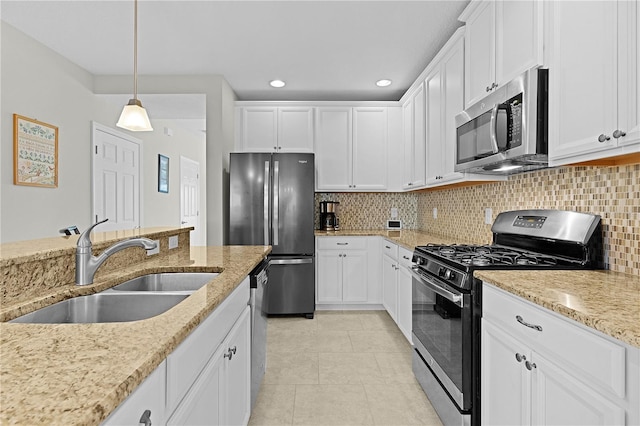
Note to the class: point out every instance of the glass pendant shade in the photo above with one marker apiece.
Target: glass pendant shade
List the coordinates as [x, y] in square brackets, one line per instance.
[134, 117]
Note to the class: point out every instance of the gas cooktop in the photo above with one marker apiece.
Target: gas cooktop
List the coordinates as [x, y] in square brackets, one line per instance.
[490, 255]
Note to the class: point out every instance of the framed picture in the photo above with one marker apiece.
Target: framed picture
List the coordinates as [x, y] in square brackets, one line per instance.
[163, 173]
[35, 153]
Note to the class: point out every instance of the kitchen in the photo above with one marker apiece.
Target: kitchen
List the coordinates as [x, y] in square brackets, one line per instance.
[609, 190]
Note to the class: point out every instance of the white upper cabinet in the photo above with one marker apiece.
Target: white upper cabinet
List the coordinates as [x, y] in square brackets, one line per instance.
[594, 103]
[275, 129]
[504, 38]
[351, 148]
[414, 140]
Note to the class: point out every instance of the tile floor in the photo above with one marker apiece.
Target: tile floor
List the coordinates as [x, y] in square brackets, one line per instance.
[340, 368]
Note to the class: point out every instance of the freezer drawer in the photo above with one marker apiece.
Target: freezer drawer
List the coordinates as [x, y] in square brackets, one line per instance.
[291, 288]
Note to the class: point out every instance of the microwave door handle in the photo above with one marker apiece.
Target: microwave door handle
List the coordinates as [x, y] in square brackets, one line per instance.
[492, 128]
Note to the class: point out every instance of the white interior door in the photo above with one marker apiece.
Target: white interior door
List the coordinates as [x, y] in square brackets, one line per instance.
[116, 169]
[190, 199]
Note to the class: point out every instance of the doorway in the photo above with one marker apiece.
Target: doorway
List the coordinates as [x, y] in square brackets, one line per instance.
[190, 199]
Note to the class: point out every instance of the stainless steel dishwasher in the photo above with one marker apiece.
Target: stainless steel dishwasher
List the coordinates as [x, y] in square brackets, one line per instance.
[258, 279]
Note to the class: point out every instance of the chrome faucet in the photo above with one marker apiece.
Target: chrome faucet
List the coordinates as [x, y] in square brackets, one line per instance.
[87, 264]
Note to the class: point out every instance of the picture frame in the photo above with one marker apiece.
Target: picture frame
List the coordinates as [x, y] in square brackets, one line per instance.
[163, 173]
[35, 152]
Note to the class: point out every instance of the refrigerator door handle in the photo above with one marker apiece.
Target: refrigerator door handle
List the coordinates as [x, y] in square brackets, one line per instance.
[276, 191]
[266, 203]
[290, 261]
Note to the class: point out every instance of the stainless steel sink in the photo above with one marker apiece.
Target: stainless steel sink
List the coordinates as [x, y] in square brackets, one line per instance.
[172, 281]
[104, 307]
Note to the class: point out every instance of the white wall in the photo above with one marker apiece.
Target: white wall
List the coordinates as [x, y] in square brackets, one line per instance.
[40, 84]
[162, 209]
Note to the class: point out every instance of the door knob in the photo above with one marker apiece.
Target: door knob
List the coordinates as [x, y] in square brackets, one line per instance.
[603, 138]
[520, 357]
[618, 134]
[530, 365]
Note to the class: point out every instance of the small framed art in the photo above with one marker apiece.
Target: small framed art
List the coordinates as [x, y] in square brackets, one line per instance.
[163, 173]
[35, 153]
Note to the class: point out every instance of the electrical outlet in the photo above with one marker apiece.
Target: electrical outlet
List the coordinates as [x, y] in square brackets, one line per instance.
[155, 250]
[488, 213]
[173, 242]
[435, 212]
[394, 213]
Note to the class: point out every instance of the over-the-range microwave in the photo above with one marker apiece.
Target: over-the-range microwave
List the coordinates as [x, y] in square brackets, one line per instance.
[507, 131]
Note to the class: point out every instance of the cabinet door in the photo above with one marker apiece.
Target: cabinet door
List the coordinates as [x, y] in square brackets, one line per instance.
[583, 77]
[419, 139]
[480, 53]
[369, 148]
[148, 396]
[202, 405]
[329, 285]
[259, 129]
[629, 72]
[237, 377]
[506, 383]
[435, 142]
[295, 129]
[518, 37]
[390, 286]
[354, 277]
[407, 140]
[453, 94]
[333, 148]
[560, 399]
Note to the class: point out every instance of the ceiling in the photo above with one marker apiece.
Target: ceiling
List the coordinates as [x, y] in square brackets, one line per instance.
[325, 50]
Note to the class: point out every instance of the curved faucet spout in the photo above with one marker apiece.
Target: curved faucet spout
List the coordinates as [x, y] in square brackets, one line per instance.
[87, 264]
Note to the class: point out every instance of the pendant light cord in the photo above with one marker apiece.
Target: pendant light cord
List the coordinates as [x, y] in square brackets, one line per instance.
[135, 49]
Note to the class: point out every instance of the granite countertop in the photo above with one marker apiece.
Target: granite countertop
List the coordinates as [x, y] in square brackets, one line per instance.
[79, 373]
[604, 300]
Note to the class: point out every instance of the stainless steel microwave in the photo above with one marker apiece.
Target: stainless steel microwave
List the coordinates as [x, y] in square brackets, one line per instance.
[507, 131]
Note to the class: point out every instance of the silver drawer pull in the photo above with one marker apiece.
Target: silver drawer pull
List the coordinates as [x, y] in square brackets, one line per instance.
[520, 357]
[523, 322]
[530, 365]
[342, 244]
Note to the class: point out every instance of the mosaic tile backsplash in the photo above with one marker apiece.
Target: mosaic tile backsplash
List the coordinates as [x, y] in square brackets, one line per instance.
[612, 192]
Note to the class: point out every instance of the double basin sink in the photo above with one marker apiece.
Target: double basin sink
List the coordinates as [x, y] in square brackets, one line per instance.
[137, 299]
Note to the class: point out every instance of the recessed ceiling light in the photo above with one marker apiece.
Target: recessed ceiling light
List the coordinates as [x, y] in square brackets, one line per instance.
[383, 83]
[277, 83]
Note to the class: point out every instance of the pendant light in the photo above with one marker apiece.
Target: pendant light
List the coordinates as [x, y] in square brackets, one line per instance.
[134, 117]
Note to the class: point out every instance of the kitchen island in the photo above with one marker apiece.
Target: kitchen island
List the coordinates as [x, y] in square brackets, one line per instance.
[79, 373]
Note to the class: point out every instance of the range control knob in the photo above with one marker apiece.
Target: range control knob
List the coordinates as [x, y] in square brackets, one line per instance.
[448, 274]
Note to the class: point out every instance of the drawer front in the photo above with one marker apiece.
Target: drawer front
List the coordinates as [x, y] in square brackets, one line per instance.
[404, 257]
[595, 359]
[342, 243]
[186, 362]
[390, 249]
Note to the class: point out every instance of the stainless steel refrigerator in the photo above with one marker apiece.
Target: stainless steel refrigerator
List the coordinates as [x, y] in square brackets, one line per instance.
[272, 203]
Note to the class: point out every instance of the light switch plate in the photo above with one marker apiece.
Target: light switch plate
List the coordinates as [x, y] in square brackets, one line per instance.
[394, 212]
[435, 212]
[488, 213]
[173, 242]
[155, 250]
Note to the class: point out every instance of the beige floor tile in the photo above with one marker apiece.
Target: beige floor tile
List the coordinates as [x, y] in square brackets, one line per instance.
[377, 320]
[395, 367]
[282, 341]
[341, 322]
[349, 368]
[400, 404]
[291, 323]
[291, 368]
[378, 341]
[332, 341]
[331, 405]
[274, 405]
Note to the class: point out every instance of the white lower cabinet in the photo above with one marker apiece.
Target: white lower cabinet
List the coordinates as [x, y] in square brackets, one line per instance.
[396, 285]
[343, 272]
[206, 380]
[390, 286]
[539, 368]
[405, 283]
[220, 395]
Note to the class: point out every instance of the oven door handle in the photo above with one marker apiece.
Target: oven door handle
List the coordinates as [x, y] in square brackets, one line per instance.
[455, 298]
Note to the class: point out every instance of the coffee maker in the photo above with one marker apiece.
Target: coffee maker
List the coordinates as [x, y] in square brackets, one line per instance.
[328, 218]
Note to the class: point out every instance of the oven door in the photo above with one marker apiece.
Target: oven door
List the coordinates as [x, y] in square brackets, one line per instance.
[442, 333]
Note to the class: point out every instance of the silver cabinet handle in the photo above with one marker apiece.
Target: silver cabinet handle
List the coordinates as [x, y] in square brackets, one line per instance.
[603, 138]
[487, 89]
[530, 365]
[526, 324]
[405, 257]
[230, 353]
[388, 247]
[618, 134]
[145, 419]
[342, 244]
[520, 357]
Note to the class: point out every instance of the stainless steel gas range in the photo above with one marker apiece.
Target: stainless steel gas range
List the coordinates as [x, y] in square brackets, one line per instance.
[447, 300]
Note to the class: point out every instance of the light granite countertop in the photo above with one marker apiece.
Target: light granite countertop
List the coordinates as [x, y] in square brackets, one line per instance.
[603, 300]
[76, 374]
